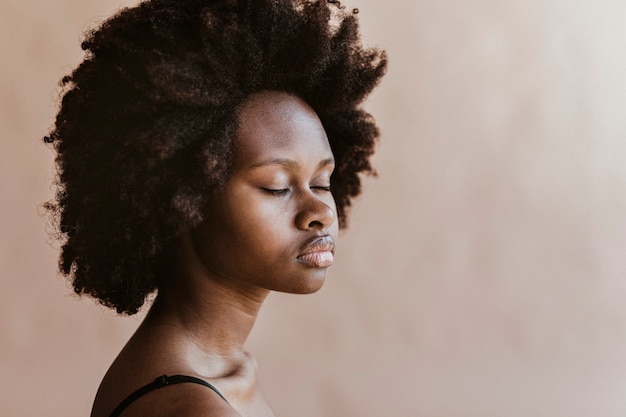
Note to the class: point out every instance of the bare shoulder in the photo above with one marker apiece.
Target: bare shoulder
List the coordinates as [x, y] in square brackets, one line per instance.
[190, 400]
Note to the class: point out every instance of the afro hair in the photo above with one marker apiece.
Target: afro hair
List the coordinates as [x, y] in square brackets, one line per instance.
[145, 127]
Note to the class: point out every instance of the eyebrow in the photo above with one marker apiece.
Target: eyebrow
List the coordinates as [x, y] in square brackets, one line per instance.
[289, 163]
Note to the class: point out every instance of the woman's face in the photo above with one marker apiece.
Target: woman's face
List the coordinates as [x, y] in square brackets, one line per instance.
[275, 222]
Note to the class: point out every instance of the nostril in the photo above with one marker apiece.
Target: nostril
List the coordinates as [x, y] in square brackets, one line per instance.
[315, 224]
[316, 214]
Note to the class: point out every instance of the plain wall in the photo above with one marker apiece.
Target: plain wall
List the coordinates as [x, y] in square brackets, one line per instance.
[484, 272]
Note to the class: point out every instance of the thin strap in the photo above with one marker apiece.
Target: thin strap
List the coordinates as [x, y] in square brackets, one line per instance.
[159, 383]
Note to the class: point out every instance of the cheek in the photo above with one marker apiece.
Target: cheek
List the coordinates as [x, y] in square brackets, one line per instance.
[251, 209]
[257, 226]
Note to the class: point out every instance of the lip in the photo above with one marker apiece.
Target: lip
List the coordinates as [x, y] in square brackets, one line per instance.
[318, 252]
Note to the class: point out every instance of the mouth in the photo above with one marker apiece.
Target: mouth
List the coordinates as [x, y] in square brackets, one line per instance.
[318, 253]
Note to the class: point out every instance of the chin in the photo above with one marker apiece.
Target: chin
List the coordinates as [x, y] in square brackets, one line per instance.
[313, 288]
[307, 285]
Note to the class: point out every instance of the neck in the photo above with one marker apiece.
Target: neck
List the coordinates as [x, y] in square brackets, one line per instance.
[206, 318]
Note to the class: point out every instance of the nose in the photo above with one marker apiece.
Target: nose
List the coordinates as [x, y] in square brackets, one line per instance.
[315, 213]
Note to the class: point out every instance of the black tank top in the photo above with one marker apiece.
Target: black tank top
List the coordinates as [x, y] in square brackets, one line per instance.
[160, 382]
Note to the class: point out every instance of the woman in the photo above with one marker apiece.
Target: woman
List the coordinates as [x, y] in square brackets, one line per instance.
[207, 150]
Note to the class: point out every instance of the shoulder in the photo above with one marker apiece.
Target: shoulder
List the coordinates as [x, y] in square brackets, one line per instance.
[189, 400]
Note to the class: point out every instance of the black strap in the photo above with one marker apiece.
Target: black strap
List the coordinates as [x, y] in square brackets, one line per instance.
[160, 382]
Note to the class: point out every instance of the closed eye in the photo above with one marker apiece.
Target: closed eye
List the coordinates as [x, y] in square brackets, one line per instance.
[321, 188]
[277, 192]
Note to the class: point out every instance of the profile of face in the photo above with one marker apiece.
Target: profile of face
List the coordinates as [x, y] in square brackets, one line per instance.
[274, 223]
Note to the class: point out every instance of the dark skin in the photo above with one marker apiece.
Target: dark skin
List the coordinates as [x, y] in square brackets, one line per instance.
[272, 227]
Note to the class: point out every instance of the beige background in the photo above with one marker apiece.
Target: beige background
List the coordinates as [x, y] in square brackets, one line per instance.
[484, 274]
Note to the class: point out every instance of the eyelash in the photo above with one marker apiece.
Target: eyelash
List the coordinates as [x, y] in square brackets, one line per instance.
[284, 191]
[323, 188]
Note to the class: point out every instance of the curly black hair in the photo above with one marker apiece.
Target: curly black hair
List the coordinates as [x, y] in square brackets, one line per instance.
[146, 122]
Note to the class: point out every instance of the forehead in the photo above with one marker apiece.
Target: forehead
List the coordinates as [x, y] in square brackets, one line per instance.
[278, 125]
